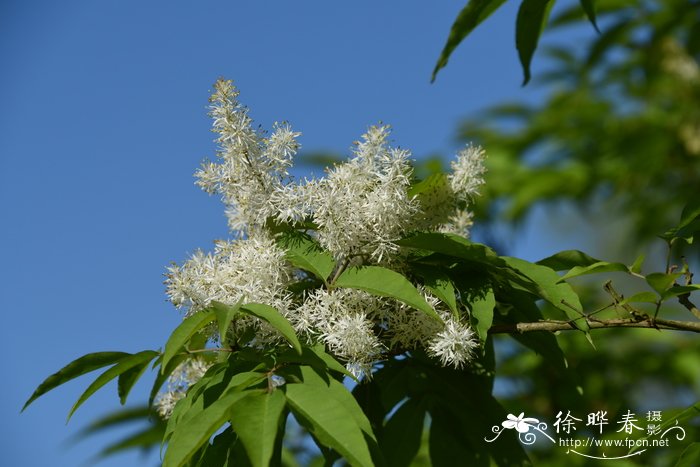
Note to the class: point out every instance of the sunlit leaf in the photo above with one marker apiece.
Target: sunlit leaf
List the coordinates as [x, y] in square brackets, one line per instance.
[568, 259]
[255, 419]
[276, 320]
[385, 283]
[184, 332]
[305, 253]
[224, 315]
[596, 268]
[192, 433]
[440, 285]
[661, 282]
[547, 285]
[316, 357]
[677, 290]
[641, 297]
[316, 406]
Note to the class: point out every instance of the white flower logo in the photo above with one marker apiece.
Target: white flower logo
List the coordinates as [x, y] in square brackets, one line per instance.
[519, 423]
[522, 425]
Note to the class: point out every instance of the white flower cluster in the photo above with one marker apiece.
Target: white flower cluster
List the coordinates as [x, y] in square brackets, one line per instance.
[356, 212]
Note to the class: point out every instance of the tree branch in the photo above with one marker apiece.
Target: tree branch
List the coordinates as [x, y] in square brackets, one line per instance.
[554, 325]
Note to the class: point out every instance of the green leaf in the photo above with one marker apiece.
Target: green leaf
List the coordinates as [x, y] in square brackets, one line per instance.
[127, 380]
[192, 433]
[532, 17]
[595, 268]
[192, 403]
[641, 297]
[661, 282]
[117, 418]
[482, 312]
[385, 283]
[473, 14]
[636, 267]
[224, 315]
[184, 332]
[124, 364]
[516, 306]
[316, 357]
[401, 438]
[690, 456]
[689, 224]
[207, 390]
[679, 419]
[222, 451]
[440, 285]
[462, 415]
[679, 290]
[163, 375]
[567, 259]
[79, 367]
[455, 246]
[143, 439]
[256, 419]
[589, 7]
[546, 285]
[276, 320]
[447, 442]
[305, 253]
[316, 405]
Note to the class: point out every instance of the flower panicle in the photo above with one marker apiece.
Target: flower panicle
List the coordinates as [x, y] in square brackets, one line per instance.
[357, 213]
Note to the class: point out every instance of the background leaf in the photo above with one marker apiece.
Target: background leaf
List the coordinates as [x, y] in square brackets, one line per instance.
[532, 17]
[473, 14]
[79, 367]
[124, 364]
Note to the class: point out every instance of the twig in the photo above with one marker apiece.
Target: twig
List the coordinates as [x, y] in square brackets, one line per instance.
[554, 325]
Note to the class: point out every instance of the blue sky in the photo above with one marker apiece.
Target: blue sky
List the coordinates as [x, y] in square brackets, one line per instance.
[103, 122]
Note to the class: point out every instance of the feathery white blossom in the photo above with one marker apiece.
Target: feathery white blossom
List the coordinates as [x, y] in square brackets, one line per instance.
[252, 269]
[252, 167]
[362, 206]
[357, 212]
[467, 173]
[454, 345]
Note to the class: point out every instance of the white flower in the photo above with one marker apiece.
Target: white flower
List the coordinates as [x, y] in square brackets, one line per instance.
[362, 206]
[454, 344]
[252, 270]
[467, 172]
[343, 320]
[252, 167]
